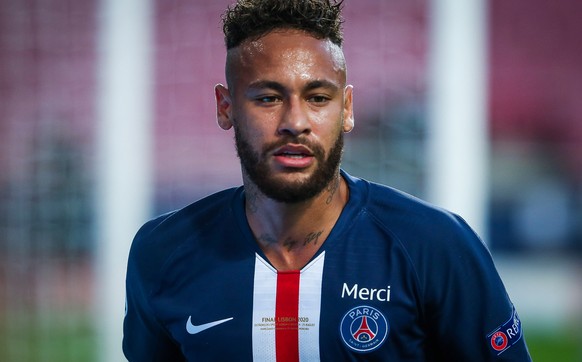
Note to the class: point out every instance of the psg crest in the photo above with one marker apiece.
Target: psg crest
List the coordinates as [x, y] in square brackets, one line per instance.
[364, 329]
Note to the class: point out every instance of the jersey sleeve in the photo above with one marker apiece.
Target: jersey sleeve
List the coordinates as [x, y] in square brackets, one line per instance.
[144, 338]
[469, 314]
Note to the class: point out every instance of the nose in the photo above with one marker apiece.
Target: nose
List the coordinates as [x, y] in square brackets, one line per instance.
[295, 119]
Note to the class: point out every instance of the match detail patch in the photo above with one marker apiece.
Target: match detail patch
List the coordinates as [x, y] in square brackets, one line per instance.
[505, 335]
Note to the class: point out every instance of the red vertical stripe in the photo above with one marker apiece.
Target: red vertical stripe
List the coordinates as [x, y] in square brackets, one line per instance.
[286, 316]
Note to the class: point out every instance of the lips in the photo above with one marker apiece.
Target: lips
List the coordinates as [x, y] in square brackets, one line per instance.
[294, 151]
[293, 156]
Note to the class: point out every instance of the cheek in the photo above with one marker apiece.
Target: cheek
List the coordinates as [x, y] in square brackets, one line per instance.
[250, 133]
[329, 121]
[257, 121]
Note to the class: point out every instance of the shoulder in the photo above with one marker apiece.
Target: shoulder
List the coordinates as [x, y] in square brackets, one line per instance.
[193, 216]
[158, 239]
[430, 236]
[403, 214]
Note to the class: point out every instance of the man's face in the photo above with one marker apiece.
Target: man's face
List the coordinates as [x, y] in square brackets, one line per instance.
[289, 107]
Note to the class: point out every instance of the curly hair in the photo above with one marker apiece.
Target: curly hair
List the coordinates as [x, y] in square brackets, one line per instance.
[250, 19]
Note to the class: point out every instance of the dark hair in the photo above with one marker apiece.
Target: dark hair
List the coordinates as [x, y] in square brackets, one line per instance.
[248, 19]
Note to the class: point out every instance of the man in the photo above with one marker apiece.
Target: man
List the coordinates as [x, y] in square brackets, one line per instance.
[305, 262]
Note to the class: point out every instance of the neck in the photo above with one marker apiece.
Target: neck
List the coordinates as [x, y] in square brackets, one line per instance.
[291, 233]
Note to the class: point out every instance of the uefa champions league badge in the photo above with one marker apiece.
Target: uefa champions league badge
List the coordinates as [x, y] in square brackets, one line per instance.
[364, 329]
[505, 335]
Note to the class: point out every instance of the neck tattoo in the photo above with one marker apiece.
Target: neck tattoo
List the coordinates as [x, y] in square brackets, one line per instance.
[332, 189]
[292, 243]
[251, 201]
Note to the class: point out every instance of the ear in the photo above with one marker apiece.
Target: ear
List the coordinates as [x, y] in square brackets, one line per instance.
[348, 109]
[223, 107]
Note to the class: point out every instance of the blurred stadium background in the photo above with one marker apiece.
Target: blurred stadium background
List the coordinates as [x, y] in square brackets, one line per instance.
[52, 242]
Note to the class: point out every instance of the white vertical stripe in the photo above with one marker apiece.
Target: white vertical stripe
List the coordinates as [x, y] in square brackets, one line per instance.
[124, 154]
[264, 299]
[309, 309]
[457, 108]
[264, 305]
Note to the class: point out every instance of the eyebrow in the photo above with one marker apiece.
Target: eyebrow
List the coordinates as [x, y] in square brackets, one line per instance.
[269, 84]
[266, 84]
[322, 84]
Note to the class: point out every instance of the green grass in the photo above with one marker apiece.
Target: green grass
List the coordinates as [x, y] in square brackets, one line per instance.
[564, 345]
[26, 339]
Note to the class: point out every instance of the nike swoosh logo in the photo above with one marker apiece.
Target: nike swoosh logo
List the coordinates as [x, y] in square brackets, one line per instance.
[192, 329]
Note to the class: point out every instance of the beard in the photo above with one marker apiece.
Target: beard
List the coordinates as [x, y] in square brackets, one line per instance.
[257, 169]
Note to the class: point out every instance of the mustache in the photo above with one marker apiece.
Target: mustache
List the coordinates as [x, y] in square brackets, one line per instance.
[315, 148]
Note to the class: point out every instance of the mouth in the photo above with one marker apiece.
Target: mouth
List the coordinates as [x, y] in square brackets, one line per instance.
[293, 151]
[293, 156]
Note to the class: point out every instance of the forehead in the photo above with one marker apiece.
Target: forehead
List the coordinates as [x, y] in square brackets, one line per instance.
[286, 54]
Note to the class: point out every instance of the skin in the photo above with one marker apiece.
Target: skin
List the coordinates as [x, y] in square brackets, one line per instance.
[288, 89]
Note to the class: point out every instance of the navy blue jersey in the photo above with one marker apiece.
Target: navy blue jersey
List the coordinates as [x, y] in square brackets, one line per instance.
[396, 280]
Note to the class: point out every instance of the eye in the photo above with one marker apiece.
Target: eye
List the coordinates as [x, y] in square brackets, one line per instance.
[267, 99]
[319, 99]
